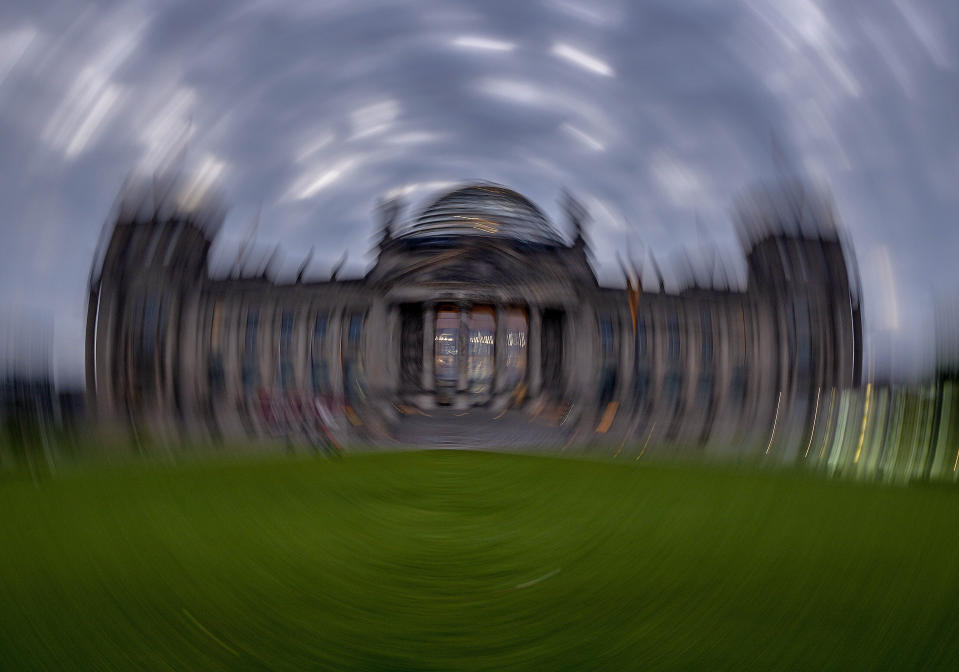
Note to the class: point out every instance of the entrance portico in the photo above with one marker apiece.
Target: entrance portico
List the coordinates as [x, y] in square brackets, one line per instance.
[473, 353]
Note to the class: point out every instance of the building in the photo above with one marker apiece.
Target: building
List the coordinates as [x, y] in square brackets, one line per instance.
[475, 303]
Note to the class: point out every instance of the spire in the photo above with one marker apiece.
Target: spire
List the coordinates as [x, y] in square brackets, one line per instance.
[246, 243]
[302, 269]
[339, 266]
[578, 217]
[275, 258]
[659, 273]
[389, 213]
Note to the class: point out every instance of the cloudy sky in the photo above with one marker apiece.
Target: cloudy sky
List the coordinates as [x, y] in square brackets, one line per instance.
[656, 114]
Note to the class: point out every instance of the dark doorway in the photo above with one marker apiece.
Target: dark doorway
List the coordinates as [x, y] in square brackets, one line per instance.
[553, 383]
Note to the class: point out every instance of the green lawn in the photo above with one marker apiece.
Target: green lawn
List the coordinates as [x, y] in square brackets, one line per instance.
[457, 560]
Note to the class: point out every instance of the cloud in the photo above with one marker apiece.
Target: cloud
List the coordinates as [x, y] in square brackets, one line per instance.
[582, 59]
[482, 43]
[657, 113]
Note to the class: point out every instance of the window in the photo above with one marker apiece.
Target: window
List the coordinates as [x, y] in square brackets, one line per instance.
[353, 358]
[706, 325]
[738, 336]
[672, 343]
[216, 375]
[151, 318]
[287, 379]
[356, 332]
[606, 337]
[319, 366]
[250, 369]
[671, 387]
[641, 364]
[641, 346]
[607, 345]
[146, 341]
[738, 345]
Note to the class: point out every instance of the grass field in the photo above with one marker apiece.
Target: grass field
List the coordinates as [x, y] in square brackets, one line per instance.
[457, 560]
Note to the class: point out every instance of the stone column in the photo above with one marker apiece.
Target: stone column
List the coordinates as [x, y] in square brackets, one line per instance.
[499, 351]
[191, 374]
[429, 325]
[377, 349]
[303, 325]
[462, 350]
[335, 348]
[534, 361]
[234, 335]
[394, 359]
[171, 359]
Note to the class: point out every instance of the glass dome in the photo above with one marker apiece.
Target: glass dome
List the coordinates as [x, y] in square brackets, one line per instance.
[484, 210]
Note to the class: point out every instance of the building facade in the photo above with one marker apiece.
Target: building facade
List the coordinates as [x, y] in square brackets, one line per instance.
[476, 305]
